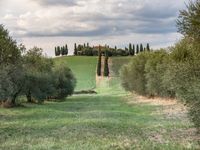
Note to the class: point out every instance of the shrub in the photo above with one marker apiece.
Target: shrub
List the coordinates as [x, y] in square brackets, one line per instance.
[64, 82]
[184, 75]
[133, 74]
[155, 68]
[38, 72]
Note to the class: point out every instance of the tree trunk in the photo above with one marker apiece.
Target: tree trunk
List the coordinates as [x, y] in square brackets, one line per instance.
[13, 102]
[28, 96]
[13, 99]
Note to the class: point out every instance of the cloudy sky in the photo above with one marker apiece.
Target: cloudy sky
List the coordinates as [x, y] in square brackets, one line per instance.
[48, 23]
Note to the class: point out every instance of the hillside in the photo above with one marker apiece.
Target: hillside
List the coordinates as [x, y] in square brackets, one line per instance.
[84, 69]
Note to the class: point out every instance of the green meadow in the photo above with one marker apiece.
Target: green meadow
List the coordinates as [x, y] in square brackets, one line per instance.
[84, 69]
[105, 121]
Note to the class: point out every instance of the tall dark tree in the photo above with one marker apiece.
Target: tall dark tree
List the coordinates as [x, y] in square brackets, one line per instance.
[84, 45]
[62, 50]
[99, 62]
[133, 49]
[137, 49]
[75, 49]
[148, 47]
[141, 48]
[66, 49]
[115, 48]
[56, 53]
[130, 49]
[88, 45]
[80, 47]
[106, 68]
[58, 50]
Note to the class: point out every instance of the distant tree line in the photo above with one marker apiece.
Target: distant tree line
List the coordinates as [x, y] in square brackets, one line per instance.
[61, 50]
[87, 50]
[29, 74]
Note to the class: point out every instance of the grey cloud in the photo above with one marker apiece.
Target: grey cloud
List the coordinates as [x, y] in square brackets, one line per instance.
[95, 32]
[127, 19]
[56, 2]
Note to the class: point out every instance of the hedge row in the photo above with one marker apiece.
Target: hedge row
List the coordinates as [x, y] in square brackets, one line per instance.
[168, 73]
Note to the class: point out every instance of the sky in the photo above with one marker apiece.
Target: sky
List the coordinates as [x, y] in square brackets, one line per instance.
[50, 23]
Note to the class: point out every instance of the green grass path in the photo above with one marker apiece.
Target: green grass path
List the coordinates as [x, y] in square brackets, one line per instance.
[91, 122]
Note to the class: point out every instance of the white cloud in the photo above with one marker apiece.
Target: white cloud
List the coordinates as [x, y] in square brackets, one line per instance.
[107, 20]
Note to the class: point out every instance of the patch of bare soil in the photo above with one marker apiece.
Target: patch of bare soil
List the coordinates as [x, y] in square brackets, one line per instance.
[169, 110]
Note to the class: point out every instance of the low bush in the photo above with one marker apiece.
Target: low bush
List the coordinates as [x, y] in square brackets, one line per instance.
[64, 82]
[174, 74]
[133, 74]
[184, 75]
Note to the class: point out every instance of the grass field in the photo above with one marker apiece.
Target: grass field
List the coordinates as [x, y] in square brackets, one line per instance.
[105, 121]
[84, 69]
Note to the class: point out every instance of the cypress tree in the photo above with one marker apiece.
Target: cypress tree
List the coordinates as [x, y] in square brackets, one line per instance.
[66, 49]
[148, 47]
[63, 50]
[99, 62]
[58, 50]
[56, 53]
[75, 49]
[106, 68]
[137, 49]
[84, 45]
[141, 48]
[133, 49]
[88, 45]
[115, 48]
[130, 49]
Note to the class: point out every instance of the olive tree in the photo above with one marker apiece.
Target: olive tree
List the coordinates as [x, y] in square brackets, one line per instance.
[38, 75]
[11, 71]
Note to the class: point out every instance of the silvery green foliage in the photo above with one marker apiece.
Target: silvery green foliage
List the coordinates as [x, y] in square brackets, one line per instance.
[11, 82]
[64, 82]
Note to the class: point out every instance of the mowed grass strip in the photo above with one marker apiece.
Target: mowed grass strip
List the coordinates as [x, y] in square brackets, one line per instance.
[93, 122]
[84, 69]
[89, 122]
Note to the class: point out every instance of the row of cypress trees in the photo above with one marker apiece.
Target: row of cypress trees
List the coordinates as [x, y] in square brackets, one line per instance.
[106, 67]
[133, 50]
[93, 51]
[61, 50]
